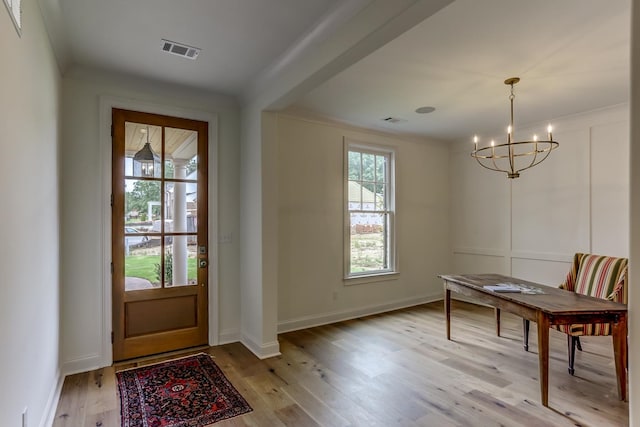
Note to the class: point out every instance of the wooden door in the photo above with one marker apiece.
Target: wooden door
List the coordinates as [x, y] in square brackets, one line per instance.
[159, 233]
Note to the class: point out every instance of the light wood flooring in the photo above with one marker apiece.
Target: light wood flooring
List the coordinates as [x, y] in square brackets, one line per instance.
[395, 369]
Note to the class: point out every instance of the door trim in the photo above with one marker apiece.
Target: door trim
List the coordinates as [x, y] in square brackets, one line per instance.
[107, 103]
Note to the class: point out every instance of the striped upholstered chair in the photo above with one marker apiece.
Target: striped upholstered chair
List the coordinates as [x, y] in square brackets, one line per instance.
[597, 276]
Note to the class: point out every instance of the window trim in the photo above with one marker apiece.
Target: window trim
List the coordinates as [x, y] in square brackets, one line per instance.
[392, 270]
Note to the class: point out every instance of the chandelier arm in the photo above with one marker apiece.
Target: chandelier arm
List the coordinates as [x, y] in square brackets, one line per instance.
[535, 156]
[474, 155]
[547, 152]
[493, 158]
[488, 167]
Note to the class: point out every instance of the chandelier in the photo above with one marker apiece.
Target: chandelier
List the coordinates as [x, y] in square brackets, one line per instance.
[512, 157]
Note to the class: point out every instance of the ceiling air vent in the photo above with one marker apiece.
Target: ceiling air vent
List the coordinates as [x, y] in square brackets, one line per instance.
[392, 120]
[180, 49]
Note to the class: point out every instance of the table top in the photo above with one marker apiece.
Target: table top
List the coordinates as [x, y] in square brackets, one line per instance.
[553, 300]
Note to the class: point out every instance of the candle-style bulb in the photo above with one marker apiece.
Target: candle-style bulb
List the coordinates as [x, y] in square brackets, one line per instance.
[509, 129]
[475, 139]
[493, 143]
[549, 128]
[535, 137]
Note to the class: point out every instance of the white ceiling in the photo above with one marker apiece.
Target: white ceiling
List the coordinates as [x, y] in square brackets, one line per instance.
[572, 56]
[238, 38]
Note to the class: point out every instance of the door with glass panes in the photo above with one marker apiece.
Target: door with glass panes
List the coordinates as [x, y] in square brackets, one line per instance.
[159, 233]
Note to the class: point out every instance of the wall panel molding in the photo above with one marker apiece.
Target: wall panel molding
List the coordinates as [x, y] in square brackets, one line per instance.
[480, 252]
[542, 256]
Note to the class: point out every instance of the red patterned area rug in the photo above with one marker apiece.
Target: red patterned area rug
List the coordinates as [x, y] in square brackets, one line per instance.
[187, 392]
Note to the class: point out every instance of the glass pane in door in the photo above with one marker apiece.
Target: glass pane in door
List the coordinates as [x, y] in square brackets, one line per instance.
[180, 245]
[180, 265]
[181, 153]
[141, 271]
[141, 246]
[143, 150]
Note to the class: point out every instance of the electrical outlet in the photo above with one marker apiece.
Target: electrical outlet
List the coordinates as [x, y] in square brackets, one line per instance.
[24, 417]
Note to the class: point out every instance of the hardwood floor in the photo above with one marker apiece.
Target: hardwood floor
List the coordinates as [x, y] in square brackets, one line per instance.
[396, 369]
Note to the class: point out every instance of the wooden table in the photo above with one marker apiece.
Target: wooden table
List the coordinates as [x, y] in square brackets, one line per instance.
[553, 307]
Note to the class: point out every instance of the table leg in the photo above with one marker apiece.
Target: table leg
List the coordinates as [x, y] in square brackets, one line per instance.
[447, 309]
[497, 314]
[543, 357]
[525, 334]
[620, 353]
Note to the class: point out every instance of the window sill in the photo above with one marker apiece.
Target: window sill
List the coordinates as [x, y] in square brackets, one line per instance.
[371, 278]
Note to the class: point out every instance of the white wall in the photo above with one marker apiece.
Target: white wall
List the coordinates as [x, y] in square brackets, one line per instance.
[530, 227]
[311, 289]
[29, 293]
[83, 161]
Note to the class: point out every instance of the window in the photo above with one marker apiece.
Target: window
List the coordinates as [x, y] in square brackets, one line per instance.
[14, 8]
[369, 210]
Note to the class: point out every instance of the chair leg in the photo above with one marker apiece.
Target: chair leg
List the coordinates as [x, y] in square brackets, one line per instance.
[571, 343]
[578, 343]
[525, 336]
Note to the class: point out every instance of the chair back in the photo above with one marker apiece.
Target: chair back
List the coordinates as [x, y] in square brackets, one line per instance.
[601, 276]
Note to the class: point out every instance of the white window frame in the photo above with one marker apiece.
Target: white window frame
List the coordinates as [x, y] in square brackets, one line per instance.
[14, 7]
[390, 210]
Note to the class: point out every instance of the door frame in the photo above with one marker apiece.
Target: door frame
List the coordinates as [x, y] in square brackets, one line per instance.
[106, 105]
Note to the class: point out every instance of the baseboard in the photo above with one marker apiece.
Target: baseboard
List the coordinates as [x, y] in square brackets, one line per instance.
[49, 413]
[339, 316]
[84, 364]
[228, 336]
[262, 351]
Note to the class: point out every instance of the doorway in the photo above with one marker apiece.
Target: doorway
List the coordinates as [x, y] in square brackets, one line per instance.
[159, 233]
